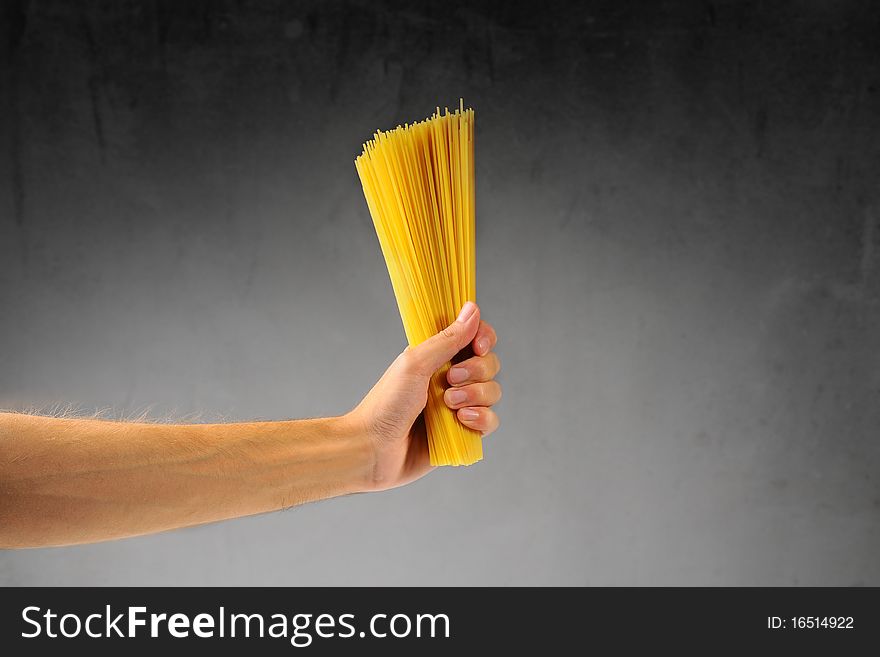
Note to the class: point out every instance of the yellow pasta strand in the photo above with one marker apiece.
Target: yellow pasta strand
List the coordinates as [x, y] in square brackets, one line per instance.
[418, 181]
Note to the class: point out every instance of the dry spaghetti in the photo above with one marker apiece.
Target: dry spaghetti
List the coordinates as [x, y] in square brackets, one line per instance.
[418, 180]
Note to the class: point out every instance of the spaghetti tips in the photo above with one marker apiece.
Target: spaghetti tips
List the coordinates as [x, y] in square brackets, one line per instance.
[418, 180]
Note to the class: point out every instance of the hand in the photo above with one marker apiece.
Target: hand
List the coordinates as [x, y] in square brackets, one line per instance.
[391, 413]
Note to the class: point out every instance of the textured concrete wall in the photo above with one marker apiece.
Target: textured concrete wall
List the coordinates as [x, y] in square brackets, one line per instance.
[679, 243]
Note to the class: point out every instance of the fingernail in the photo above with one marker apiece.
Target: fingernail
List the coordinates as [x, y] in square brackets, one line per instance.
[483, 345]
[468, 414]
[458, 375]
[467, 311]
[456, 396]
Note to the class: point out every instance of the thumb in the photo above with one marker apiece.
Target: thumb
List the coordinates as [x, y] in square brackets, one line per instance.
[433, 353]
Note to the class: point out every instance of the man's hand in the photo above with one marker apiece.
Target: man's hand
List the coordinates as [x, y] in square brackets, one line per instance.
[391, 413]
[66, 480]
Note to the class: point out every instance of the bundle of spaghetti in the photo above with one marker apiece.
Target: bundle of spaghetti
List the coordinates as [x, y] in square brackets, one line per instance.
[418, 180]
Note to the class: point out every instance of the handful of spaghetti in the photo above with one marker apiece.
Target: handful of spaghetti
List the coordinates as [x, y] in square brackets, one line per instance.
[418, 180]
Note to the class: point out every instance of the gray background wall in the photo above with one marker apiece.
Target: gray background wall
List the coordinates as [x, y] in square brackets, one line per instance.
[679, 244]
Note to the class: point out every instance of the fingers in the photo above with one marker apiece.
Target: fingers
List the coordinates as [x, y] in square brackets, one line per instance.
[485, 339]
[481, 419]
[437, 350]
[478, 368]
[473, 388]
[475, 394]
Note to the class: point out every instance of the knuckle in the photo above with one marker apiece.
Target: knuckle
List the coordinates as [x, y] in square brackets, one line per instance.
[449, 332]
[483, 368]
[477, 369]
[485, 393]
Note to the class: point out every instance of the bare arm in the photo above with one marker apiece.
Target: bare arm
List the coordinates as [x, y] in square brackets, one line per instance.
[67, 481]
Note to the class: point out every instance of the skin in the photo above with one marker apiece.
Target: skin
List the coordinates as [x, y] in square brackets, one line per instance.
[65, 481]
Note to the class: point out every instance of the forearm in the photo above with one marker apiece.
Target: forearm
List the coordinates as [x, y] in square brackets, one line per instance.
[65, 481]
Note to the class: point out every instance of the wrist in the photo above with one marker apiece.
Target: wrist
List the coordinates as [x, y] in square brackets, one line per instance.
[347, 430]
